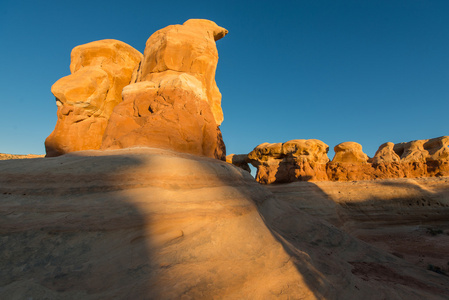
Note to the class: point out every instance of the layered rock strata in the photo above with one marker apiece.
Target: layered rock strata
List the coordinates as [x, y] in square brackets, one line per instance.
[306, 160]
[173, 101]
[147, 223]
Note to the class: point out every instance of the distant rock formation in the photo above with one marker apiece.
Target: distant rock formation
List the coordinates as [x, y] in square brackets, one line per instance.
[172, 102]
[6, 156]
[349, 163]
[290, 161]
[239, 160]
[306, 160]
[86, 98]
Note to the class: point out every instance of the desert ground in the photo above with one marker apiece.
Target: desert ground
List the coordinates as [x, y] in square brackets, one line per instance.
[146, 223]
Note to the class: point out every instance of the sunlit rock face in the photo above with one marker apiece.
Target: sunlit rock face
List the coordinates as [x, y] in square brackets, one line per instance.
[387, 163]
[290, 161]
[168, 112]
[306, 160]
[425, 157]
[174, 102]
[188, 48]
[86, 98]
[349, 163]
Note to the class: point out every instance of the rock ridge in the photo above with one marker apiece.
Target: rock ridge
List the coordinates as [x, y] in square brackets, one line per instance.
[306, 160]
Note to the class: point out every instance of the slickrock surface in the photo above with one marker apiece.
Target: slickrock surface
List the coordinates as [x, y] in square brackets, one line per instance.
[420, 158]
[86, 98]
[175, 103]
[406, 217]
[147, 223]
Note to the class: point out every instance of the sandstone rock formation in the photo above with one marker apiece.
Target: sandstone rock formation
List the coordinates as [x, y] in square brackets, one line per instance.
[172, 102]
[239, 160]
[387, 163]
[420, 158]
[175, 102]
[151, 223]
[290, 161]
[188, 48]
[5, 156]
[86, 98]
[349, 152]
[349, 163]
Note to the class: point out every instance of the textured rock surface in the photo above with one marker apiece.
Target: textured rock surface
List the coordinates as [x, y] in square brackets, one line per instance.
[420, 158]
[151, 223]
[169, 112]
[349, 163]
[406, 217]
[188, 48]
[239, 160]
[174, 103]
[86, 98]
[290, 161]
[386, 154]
[349, 152]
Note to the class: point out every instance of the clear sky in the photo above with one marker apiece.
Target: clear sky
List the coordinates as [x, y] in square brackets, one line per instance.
[364, 71]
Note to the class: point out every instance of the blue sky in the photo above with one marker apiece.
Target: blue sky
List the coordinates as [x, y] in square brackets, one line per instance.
[363, 71]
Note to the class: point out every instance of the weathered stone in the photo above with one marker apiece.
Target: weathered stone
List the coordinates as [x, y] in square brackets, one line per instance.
[169, 112]
[86, 98]
[349, 163]
[174, 102]
[349, 152]
[188, 48]
[147, 223]
[291, 161]
[385, 154]
[294, 161]
[239, 160]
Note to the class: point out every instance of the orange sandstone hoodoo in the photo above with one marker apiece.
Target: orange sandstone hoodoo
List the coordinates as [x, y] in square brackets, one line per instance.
[175, 102]
[86, 98]
[172, 102]
[306, 160]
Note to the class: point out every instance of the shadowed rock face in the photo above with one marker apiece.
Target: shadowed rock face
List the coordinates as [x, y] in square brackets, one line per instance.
[306, 160]
[86, 98]
[172, 103]
[147, 223]
[239, 160]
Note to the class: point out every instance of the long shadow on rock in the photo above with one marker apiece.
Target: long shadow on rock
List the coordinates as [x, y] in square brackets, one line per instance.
[69, 231]
[346, 268]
